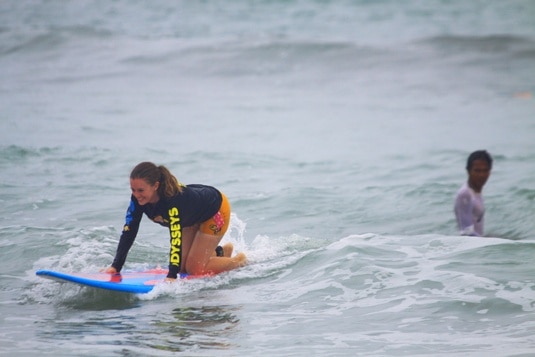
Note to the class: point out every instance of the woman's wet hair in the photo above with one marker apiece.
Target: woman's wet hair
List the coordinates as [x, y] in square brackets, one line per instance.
[148, 171]
[478, 155]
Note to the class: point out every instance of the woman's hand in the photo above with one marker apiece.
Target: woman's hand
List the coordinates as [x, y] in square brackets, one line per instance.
[110, 270]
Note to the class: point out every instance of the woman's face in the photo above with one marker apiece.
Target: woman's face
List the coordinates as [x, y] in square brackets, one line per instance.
[144, 192]
[478, 174]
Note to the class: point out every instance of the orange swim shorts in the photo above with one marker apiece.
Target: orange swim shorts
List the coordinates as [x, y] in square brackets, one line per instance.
[218, 224]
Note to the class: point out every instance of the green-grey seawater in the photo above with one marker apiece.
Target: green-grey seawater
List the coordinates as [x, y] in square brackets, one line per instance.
[339, 132]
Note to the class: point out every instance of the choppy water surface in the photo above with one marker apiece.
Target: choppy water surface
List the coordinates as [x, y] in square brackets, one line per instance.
[338, 130]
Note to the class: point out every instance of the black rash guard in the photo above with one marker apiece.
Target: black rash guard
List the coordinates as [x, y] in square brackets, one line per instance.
[196, 204]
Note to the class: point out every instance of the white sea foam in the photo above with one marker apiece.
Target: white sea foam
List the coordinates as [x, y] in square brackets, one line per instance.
[321, 121]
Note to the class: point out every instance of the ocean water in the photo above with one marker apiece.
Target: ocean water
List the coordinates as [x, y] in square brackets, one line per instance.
[339, 131]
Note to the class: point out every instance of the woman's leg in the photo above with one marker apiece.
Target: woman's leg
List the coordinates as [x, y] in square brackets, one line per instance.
[201, 261]
[228, 248]
[188, 234]
[200, 258]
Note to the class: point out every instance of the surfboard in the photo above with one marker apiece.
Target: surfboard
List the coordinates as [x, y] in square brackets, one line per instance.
[128, 282]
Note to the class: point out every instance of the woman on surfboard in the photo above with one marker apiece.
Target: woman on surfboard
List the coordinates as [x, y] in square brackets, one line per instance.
[197, 217]
[469, 208]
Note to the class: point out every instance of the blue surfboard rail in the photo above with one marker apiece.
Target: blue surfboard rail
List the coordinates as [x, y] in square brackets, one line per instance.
[127, 282]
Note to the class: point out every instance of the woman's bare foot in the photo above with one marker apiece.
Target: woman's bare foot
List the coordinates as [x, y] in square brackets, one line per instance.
[240, 259]
[228, 248]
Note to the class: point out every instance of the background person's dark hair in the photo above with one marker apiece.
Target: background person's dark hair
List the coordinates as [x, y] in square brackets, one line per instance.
[478, 155]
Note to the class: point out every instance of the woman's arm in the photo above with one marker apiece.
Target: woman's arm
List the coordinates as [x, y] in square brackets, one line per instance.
[175, 252]
[130, 229]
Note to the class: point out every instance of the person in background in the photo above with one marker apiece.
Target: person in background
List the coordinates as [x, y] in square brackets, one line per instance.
[197, 217]
[469, 207]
